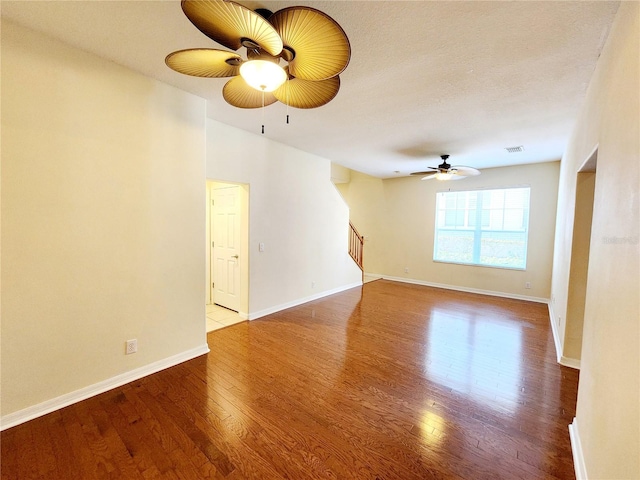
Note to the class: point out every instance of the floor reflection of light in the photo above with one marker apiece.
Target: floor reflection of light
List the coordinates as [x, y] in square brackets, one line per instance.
[476, 355]
[431, 428]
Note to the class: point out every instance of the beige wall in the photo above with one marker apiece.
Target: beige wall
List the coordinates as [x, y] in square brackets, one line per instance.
[103, 204]
[397, 217]
[294, 210]
[340, 174]
[608, 411]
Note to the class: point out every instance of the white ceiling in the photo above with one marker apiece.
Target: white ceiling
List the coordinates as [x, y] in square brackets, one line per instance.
[425, 78]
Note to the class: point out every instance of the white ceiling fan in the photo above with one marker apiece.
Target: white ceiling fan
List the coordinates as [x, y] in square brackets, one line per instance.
[444, 171]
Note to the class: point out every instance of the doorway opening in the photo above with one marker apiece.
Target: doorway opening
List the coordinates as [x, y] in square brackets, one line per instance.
[579, 266]
[227, 253]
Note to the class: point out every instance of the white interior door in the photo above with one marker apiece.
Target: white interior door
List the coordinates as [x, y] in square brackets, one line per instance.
[225, 234]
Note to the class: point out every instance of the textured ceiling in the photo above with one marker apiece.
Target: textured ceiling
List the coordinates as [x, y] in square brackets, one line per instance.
[425, 78]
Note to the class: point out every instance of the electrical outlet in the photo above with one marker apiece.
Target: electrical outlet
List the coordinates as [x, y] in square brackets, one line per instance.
[261, 247]
[406, 269]
[313, 284]
[527, 285]
[131, 346]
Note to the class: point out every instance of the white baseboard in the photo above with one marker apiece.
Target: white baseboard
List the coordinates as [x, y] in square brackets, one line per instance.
[556, 333]
[466, 289]
[370, 277]
[576, 449]
[562, 360]
[569, 362]
[35, 411]
[300, 301]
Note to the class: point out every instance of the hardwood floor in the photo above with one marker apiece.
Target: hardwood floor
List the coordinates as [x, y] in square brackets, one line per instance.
[391, 381]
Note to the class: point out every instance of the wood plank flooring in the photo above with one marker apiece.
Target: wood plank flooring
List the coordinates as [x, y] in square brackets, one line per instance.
[387, 381]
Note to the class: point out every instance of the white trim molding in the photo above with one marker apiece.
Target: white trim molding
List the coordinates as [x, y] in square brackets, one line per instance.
[300, 301]
[370, 277]
[48, 406]
[569, 362]
[562, 360]
[576, 449]
[466, 289]
[556, 333]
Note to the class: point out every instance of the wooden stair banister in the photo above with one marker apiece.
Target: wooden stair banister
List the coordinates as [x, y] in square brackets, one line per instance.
[356, 244]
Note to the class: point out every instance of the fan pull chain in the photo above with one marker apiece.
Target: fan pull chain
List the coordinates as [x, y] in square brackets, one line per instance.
[287, 101]
[263, 112]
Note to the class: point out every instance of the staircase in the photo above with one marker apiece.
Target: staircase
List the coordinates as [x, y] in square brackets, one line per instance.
[356, 244]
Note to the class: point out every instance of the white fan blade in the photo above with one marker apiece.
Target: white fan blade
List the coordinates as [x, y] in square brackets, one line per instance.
[465, 171]
[430, 176]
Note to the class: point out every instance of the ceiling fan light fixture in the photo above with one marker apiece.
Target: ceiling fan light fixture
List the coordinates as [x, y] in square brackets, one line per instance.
[444, 176]
[263, 75]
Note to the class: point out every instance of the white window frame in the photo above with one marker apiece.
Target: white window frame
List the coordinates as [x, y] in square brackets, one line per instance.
[465, 222]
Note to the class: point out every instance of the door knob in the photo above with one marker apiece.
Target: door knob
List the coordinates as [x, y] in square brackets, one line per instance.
[234, 256]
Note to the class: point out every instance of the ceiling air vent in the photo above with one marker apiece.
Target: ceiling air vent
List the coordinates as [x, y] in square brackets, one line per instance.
[517, 149]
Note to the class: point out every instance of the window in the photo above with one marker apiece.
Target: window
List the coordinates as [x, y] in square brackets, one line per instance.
[483, 227]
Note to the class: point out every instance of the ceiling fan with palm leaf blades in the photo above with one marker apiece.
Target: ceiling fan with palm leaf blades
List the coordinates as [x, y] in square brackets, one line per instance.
[294, 55]
[444, 171]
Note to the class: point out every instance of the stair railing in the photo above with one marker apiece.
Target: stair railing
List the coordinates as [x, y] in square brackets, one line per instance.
[356, 244]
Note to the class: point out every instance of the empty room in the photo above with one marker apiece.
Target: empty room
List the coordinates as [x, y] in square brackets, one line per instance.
[322, 239]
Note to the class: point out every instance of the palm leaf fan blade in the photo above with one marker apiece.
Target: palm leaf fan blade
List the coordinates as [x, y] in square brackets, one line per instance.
[299, 93]
[466, 171]
[229, 23]
[204, 62]
[320, 47]
[237, 93]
